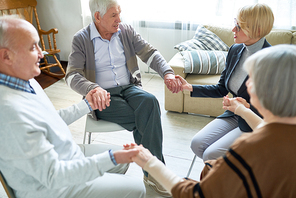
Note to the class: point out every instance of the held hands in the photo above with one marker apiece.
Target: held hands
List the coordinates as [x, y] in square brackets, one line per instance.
[142, 156]
[232, 103]
[132, 153]
[185, 84]
[100, 98]
[89, 98]
[125, 155]
[172, 83]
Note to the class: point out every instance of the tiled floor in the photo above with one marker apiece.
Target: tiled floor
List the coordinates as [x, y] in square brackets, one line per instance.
[178, 129]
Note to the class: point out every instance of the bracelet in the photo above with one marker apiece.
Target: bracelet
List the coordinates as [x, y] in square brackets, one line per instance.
[112, 157]
[88, 104]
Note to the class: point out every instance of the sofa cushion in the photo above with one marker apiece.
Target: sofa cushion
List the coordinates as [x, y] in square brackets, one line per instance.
[276, 37]
[224, 33]
[204, 61]
[203, 39]
[202, 79]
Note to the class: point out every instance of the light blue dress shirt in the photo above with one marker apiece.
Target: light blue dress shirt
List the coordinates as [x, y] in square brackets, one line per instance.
[111, 69]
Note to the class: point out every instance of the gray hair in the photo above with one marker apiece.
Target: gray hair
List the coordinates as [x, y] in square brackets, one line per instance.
[5, 39]
[273, 72]
[101, 6]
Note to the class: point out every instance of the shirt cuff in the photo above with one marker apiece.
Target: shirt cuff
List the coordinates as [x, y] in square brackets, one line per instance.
[112, 157]
[88, 104]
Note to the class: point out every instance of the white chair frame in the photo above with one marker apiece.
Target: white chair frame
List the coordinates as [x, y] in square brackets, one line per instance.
[99, 126]
[191, 166]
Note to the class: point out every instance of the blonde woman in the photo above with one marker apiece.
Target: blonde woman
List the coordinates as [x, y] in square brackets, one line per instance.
[252, 24]
[258, 164]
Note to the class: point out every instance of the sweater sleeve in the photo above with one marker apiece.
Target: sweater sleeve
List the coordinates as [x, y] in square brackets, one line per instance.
[80, 75]
[248, 115]
[161, 173]
[74, 112]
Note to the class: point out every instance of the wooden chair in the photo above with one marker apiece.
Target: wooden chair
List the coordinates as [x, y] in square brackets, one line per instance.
[7, 188]
[25, 9]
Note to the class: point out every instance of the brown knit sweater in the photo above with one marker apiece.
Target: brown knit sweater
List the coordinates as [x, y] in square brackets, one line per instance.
[258, 164]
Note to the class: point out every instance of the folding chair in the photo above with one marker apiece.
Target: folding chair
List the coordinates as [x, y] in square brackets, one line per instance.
[7, 188]
[100, 126]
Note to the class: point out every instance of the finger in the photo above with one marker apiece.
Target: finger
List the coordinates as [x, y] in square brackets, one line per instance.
[108, 99]
[95, 101]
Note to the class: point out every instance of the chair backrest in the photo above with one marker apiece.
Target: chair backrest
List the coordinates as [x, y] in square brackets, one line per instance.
[26, 9]
[23, 8]
[7, 188]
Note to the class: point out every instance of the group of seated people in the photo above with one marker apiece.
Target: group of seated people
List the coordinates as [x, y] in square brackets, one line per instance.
[248, 150]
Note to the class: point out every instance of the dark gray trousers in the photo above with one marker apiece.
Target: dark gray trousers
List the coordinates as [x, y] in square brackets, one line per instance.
[138, 111]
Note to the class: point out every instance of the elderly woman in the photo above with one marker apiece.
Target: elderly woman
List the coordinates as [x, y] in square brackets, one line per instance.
[258, 164]
[252, 24]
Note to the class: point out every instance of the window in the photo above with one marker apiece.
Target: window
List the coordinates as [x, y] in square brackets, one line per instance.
[215, 12]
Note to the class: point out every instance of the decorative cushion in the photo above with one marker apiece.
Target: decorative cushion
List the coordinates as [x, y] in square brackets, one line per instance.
[204, 62]
[203, 39]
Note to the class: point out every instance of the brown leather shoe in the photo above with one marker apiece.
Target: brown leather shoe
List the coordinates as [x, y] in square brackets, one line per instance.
[150, 181]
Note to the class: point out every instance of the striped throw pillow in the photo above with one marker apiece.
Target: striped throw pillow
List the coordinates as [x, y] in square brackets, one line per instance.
[204, 61]
[203, 39]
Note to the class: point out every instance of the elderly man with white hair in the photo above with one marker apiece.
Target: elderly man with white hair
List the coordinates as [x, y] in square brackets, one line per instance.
[38, 156]
[104, 57]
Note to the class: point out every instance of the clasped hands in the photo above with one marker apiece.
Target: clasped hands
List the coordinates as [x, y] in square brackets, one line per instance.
[133, 153]
[231, 104]
[176, 83]
[98, 98]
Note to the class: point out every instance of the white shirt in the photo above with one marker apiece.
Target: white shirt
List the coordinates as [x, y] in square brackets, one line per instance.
[111, 69]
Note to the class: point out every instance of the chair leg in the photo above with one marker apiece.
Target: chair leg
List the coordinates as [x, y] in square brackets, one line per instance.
[89, 137]
[192, 163]
[84, 137]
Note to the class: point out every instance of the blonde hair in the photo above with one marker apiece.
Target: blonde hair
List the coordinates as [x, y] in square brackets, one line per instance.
[256, 21]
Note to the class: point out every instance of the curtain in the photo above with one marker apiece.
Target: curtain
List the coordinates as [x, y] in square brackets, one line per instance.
[165, 23]
[186, 12]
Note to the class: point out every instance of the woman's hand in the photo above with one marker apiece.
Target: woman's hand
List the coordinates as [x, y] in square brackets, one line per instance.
[142, 157]
[185, 84]
[232, 103]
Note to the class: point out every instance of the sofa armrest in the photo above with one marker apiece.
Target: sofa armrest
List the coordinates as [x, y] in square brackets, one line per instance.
[177, 64]
[175, 101]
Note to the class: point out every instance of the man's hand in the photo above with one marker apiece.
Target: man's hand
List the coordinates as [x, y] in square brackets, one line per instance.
[125, 155]
[172, 83]
[89, 98]
[101, 98]
[142, 157]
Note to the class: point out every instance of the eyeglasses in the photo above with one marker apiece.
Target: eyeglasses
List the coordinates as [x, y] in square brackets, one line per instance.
[237, 27]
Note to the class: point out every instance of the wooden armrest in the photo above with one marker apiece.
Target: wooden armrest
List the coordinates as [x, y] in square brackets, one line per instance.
[53, 30]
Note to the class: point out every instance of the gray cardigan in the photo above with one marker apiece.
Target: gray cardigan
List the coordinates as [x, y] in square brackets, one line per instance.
[80, 74]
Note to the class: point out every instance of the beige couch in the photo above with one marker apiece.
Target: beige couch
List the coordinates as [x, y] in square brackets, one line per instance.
[182, 102]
